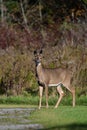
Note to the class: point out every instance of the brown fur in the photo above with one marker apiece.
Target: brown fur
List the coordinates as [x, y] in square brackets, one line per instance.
[52, 77]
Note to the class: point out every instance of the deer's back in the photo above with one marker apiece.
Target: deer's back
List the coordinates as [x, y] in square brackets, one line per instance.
[57, 75]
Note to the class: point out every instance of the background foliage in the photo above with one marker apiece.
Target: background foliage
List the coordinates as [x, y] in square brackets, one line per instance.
[59, 27]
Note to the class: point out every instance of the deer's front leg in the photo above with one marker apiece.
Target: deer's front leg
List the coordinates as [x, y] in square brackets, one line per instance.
[46, 92]
[40, 94]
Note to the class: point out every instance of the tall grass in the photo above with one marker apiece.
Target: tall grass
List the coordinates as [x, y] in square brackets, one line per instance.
[33, 100]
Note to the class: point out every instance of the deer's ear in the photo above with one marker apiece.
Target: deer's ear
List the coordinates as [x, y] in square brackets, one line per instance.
[35, 52]
[41, 51]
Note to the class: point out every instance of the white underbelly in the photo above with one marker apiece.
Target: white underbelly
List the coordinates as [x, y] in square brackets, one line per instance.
[50, 85]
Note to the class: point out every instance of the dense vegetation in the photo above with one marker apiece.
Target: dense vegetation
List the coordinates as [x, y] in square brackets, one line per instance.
[59, 27]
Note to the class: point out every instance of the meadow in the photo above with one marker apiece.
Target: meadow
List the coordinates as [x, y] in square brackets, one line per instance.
[62, 118]
[65, 117]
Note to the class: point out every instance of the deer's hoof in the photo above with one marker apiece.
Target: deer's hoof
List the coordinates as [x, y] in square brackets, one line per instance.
[47, 106]
[74, 105]
[39, 108]
[55, 107]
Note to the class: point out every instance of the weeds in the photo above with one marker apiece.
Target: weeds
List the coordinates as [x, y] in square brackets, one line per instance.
[33, 100]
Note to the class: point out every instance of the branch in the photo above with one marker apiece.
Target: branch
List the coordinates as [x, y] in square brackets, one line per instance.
[24, 16]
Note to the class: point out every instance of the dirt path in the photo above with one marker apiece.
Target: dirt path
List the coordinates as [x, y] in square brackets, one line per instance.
[17, 119]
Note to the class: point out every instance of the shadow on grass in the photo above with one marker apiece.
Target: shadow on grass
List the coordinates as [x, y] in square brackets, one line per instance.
[69, 127]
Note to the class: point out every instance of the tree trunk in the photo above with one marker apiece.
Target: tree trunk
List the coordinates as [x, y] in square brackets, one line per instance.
[41, 22]
[2, 12]
[24, 16]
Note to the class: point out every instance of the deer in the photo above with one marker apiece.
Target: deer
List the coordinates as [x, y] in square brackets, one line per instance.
[50, 77]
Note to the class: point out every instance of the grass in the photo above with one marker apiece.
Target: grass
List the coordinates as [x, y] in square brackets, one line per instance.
[33, 100]
[30, 100]
[62, 118]
[17, 106]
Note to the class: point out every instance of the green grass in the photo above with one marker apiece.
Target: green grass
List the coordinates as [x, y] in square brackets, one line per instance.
[62, 118]
[17, 106]
[33, 100]
[30, 100]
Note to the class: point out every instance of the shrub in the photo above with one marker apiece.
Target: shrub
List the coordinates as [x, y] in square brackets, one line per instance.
[64, 46]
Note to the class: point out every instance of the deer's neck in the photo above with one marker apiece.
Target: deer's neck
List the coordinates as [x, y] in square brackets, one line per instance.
[39, 72]
[40, 75]
[39, 69]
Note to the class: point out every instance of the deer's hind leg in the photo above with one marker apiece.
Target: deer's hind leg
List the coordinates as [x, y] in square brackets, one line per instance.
[61, 94]
[72, 91]
[73, 95]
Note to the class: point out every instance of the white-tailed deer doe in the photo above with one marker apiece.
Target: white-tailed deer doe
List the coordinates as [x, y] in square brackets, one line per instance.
[48, 77]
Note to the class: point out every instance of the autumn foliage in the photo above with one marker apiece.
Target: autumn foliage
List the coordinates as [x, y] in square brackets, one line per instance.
[63, 40]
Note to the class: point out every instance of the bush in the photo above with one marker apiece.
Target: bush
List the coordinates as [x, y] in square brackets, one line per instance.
[16, 72]
[65, 47]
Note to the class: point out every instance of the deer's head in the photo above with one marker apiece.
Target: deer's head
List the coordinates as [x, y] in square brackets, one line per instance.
[38, 56]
